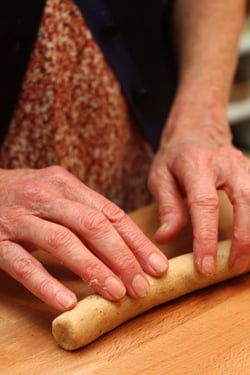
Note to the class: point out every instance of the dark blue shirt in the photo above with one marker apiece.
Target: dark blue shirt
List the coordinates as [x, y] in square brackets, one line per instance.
[99, 19]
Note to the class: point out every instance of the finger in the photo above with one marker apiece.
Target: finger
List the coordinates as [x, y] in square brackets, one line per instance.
[68, 248]
[71, 252]
[234, 181]
[172, 212]
[148, 255]
[152, 260]
[204, 211]
[113, 237]
[240, 251]
[23, 267]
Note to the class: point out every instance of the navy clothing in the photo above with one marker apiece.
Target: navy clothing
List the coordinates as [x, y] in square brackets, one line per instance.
[132, 34]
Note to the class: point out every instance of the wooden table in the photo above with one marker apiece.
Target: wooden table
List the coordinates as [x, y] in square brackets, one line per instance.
[204, 333]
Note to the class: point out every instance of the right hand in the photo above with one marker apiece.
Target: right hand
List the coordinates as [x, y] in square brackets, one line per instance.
[50, 209]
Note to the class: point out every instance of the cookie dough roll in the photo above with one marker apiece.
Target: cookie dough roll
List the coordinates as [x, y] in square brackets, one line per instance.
[94, 315]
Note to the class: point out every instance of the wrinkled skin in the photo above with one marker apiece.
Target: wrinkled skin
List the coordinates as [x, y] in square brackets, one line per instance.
[193, 167]
[52, 210]
[196, 156]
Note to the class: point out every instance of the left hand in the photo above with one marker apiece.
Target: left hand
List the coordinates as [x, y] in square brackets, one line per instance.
[194, 164]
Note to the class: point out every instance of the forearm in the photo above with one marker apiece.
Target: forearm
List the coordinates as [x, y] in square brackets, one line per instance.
[196, 157]
[206, 38]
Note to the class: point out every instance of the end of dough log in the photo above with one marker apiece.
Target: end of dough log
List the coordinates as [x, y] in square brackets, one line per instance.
[94, 315]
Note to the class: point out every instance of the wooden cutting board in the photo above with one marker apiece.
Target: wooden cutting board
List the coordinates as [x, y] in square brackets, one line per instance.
[207, 332]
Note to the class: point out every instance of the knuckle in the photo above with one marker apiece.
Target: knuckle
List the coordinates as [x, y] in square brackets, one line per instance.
[94, 221]
[45, 287]
[56, 175]
[23, 267]
[121, 263]
[207, 201]
[34, 193]
[193, 155]
[234, 162]
[124, 263]
[206, 239]
[168, 209]
[172, 211]
[113, 213]
[10, 219]
[56, 170]
[242, 193]
[230, 153]
[59, 238]
[155, 174]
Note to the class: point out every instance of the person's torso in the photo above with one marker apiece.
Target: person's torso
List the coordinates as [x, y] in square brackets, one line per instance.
[141, 25]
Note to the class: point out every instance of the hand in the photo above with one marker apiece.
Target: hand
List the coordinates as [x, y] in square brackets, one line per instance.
[194, 165]
[52, 210]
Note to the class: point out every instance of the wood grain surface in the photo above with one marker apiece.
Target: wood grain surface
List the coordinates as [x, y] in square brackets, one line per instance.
[206, 332]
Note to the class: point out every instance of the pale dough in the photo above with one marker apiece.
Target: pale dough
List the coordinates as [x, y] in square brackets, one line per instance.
[94, 315]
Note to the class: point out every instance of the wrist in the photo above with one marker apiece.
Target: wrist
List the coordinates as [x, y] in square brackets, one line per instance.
[198, 115]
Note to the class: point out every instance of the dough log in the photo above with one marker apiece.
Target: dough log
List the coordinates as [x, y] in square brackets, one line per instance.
[94, 315]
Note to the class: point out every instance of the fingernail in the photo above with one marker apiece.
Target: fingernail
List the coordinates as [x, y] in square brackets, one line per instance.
[158, 262]
[208, 265]
[65, 300]
[163, 228]
[241, 263]
[114, 287]
[140, 285]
